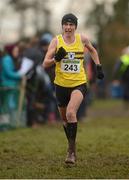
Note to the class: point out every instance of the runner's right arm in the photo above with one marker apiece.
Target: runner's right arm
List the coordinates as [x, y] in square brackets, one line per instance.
[49, 58]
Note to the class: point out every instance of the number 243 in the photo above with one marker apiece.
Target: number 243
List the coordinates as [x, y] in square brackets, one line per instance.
[71, 67]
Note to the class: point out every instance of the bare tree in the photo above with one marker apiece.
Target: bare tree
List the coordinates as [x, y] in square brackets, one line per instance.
[20, 6]
[112, 30]
[41, 14]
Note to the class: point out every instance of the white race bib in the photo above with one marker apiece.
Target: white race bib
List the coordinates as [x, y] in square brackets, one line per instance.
[70, 66]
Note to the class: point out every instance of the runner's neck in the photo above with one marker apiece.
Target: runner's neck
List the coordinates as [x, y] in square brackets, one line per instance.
[69, 39]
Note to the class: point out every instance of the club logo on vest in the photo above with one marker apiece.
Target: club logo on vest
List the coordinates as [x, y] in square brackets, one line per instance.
[71, 55]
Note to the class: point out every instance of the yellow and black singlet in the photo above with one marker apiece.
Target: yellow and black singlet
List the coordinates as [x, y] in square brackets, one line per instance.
[70, 71]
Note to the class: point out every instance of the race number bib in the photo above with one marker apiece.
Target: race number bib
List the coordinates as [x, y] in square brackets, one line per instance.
[70, 66]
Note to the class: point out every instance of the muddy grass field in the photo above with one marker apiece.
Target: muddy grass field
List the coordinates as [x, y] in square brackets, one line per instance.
[102, 147]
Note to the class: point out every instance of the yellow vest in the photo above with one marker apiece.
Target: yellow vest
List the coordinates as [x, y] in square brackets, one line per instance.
[70, 71]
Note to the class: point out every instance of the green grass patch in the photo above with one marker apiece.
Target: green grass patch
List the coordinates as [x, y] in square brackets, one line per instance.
[102, 149]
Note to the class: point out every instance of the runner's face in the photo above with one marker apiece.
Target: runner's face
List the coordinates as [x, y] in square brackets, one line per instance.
[69, 28]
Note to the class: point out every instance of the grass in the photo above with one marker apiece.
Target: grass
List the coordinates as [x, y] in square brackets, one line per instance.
[102, 148]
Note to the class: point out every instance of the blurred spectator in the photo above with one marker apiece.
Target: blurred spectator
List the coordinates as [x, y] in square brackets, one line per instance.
[81, 113]
[10, 80]
[0, 74]
[90, 69]
[97, 87]
[31, 57]
[52, 108]
[44, 43]
[38, 88]
[121, 73]
[91, 74]
[116, 89]
[1, 52]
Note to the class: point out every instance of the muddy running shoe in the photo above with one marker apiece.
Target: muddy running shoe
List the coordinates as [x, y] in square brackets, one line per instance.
[71, 158]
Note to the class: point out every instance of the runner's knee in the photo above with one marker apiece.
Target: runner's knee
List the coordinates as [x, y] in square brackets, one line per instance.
[71, 115]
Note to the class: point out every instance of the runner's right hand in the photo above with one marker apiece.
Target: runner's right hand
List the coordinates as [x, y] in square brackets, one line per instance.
[61, 53]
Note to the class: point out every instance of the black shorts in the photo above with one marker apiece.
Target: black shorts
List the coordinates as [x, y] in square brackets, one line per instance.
[63, 93]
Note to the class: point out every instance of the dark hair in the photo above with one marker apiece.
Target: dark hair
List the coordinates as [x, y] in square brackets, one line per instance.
[9, 48]
[69, 18]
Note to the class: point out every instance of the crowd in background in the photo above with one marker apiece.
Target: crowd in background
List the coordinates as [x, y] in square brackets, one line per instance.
[27, 94]
[24, 85]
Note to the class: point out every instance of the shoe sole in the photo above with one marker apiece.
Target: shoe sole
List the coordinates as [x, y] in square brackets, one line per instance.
[69, 162]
